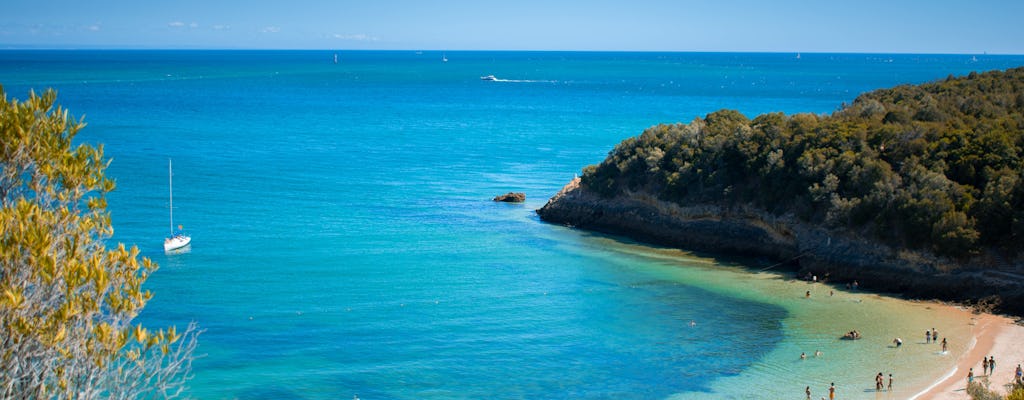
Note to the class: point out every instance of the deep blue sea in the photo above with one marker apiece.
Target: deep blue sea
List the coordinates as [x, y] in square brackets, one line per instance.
[344, 238]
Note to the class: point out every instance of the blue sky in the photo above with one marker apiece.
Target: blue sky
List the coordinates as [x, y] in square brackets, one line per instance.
[892, 26]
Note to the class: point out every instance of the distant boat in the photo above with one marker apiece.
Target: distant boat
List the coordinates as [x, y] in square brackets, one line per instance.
[488, 78]
[178, 239]
[797, 56]
[335, 58]
[444, 58]
[974, 59]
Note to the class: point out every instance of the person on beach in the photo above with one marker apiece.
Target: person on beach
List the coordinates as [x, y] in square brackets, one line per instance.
[898, 342]
[1019, 375]
[991, 365]
[943, 345]
[970, 376]
[927, 336]
[808, 294]
[890, 383]
[817, 353]
[935, 335]
[803, 356]
[878, 381]
[832, 391]
[984, 366]
[808, 391]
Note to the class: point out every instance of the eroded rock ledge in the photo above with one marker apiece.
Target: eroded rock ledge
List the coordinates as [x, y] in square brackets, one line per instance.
[803, 248]
[511, 197]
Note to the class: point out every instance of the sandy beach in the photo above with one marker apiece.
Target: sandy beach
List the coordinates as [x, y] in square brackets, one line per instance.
[815, 323]
[995, 336]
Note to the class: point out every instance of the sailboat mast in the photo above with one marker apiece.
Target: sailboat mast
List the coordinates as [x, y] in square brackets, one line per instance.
[170, 190]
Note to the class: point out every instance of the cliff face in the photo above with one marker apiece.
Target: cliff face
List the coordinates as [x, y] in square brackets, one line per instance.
[804, 248]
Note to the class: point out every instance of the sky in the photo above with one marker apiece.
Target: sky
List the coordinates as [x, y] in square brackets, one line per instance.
[861, 26]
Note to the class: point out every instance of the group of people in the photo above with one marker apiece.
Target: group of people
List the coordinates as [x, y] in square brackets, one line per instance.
[880, 381]
[933, 336]
[831, 392]
[988, 366]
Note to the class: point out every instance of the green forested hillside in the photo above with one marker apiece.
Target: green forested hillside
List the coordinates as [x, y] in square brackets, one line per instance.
[935, 166]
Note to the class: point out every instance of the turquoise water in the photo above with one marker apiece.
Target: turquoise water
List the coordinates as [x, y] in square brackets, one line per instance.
[344, 241]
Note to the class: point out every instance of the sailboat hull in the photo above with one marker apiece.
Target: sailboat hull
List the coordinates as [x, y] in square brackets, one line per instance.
[177, 242]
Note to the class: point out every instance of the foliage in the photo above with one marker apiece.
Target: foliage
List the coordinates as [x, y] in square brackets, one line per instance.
[979, 390]
[1016, 392]
[938, 166]
[66, 301]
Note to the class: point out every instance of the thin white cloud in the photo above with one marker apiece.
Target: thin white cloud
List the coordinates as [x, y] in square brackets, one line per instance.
[180, 24]
[357, 37]
[93, 28]
[271, 29]
[221, 27]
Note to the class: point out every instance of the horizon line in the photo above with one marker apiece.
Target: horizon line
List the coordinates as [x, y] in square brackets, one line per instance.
[133, 48]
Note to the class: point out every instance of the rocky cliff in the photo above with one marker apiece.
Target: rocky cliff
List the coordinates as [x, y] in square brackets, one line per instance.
[796, 245]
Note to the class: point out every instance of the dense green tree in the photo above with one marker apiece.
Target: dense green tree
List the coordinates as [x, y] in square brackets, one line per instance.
[66, 300]
[937, 166]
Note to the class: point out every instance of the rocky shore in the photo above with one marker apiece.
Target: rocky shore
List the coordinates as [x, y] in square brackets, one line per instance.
[988, 281]
[511, 197]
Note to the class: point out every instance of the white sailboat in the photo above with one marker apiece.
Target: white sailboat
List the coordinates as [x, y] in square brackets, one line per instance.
[178, 239]
[444, 57]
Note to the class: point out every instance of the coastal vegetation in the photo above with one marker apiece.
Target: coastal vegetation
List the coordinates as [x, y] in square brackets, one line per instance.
[935, 167]
[66, 300]
[979, 390]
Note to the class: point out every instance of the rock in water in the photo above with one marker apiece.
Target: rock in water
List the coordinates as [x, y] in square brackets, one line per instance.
[511, 197]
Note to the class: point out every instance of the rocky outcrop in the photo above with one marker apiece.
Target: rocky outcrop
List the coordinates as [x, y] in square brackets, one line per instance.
[796, 245]
[511, 197]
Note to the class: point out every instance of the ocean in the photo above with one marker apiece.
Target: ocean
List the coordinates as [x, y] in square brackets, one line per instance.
[345, 242]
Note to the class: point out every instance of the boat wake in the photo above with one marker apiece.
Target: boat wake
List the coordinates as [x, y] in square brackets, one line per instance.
[524, 80]
[491, 78]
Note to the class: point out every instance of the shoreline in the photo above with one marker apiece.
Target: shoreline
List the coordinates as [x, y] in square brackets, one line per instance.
[973, 336]
[799, 247]
[994, 335]
[921, 370]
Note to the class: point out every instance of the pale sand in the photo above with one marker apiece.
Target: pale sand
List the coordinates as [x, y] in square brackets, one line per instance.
[813, 323]
[995, 336]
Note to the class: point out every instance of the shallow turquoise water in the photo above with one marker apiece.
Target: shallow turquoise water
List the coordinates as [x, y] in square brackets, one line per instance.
[344, 238]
